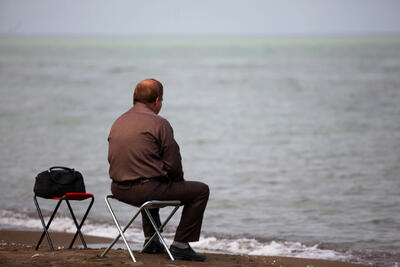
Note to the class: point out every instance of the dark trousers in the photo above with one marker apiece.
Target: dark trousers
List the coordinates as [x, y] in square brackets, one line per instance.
[193, 196]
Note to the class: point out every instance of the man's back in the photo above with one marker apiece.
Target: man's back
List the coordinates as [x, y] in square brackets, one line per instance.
[141, 145]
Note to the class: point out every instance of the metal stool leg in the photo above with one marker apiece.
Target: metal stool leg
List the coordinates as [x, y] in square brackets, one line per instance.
[45, 228]
[78, 227]
[159, 230]
[121, 232]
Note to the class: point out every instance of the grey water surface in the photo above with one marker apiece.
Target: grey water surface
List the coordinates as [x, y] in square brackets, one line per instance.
[298, 138]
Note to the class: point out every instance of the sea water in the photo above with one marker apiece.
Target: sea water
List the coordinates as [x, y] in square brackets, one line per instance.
[298, 138]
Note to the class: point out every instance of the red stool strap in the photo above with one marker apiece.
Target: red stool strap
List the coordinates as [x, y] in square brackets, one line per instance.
[75, 196]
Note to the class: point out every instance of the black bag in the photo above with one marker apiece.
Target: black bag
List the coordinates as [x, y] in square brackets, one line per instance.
[57, 181]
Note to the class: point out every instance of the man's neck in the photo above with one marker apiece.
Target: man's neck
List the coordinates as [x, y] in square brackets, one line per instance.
[145, 105]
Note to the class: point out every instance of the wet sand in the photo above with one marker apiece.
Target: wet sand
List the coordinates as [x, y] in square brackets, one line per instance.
[17, 248]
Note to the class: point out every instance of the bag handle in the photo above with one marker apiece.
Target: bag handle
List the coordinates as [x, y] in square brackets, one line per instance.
[62, 168]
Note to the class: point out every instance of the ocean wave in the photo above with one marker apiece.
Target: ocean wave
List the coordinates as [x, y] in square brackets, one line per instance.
[232, 245]
[250, 246]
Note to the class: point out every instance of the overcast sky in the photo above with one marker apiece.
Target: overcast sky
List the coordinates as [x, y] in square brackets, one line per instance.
[201, 17]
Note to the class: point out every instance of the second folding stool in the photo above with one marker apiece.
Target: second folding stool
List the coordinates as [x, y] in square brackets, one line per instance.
[145, 207]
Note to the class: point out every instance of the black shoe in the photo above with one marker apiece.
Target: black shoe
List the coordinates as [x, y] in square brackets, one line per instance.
[155, 247]
[186, 254]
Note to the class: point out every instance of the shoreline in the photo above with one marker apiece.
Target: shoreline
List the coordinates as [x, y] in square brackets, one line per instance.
[17, 248]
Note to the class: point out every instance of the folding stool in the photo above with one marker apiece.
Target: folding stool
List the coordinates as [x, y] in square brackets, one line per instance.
[67, 197]
[146, 206]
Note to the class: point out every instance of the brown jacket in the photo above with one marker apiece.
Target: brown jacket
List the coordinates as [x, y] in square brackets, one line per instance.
[142, 145]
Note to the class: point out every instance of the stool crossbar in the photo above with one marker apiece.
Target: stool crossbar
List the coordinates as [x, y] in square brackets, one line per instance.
[67, 197]
[145, 207]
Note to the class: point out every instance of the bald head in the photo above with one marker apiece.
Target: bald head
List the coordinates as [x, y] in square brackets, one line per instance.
[147, 91]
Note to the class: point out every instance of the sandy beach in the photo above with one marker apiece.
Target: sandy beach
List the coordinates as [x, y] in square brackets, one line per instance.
[17, 249]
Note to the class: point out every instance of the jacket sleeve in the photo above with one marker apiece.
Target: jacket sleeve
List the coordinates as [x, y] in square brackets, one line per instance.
[170, 153]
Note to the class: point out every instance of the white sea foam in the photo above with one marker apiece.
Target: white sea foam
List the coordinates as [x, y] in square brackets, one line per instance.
[272, 248]
[64, 224]
[212, 244]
